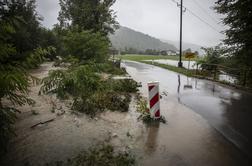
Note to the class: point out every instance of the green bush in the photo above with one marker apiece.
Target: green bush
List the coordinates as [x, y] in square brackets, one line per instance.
[78, 81]
[112, 100]
[90, 93]
[125, 85]
[110, 68]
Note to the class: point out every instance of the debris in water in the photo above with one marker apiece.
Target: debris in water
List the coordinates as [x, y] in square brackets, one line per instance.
[129, 135]
[59, 112]
[41, 123]
[34, 112]
[114, 135]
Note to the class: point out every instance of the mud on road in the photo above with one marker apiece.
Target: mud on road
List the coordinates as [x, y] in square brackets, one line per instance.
[186, 139]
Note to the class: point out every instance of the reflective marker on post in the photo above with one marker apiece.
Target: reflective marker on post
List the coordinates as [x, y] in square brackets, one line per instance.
[154, 103]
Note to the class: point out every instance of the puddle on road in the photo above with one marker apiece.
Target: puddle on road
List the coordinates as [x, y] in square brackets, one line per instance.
[186, 139]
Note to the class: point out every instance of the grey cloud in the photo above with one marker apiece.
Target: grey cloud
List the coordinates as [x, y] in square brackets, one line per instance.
[48, 9]
[159, 18]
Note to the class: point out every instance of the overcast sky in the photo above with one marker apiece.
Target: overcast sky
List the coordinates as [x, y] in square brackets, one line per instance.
[158, 18]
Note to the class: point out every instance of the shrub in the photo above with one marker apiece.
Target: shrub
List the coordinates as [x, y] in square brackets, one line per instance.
[110, 68]
[90, 93]
[79, 81]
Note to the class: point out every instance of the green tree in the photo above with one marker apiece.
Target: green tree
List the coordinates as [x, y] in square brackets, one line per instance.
[94, 15]
[19, 45]
[238, 16]
[213, 56]
[23, 17]
[49, 38]
[86, 46]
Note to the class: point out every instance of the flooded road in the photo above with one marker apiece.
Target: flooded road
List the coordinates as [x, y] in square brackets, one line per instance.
[186, 140]
[228, 110]
[223, 76]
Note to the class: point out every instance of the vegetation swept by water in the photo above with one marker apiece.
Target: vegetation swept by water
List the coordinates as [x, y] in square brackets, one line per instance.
[102, 155]
[81, 42]
[90, 92]
[145, 116]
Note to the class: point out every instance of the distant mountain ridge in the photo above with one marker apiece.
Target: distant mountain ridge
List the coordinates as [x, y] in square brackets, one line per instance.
[185, 45]
[127, 38]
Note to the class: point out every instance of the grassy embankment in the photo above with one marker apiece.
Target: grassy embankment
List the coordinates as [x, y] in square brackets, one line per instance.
[135, 57]
[143, 58]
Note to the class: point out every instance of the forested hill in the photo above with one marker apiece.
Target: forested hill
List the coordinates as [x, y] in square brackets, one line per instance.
[128, 38]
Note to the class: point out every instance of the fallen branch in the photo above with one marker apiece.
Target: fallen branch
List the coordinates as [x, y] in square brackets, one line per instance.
[40, 123]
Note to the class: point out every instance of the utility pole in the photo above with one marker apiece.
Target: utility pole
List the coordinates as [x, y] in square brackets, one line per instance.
[180, 64]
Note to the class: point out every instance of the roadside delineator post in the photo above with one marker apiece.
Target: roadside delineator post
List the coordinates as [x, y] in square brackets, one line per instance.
[154, 99]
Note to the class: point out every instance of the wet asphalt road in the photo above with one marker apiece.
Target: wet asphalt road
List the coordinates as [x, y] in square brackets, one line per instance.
[227, 110]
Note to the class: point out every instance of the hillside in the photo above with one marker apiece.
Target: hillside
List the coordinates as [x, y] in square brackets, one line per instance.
[128, 38]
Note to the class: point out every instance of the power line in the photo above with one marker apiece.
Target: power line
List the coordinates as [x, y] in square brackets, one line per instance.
[198, 4]
[198, 17]
[203, 20]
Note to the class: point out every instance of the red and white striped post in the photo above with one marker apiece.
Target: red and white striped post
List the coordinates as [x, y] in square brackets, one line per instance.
[154, 103]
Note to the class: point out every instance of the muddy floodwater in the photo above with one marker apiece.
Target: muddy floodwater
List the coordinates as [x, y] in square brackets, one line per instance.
[188, 138]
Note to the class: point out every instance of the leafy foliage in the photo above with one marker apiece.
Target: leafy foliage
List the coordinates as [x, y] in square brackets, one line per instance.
[109, 67]
[122, 85]
[23, 18]
[78, 81]
[92, 15]
[50, 39]
[86, 46]
[90, 92]
[14, 83]
[238, 16]
[20, 51]
[213, 57]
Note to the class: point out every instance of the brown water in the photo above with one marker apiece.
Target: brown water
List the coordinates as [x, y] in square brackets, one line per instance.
[186, 139]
